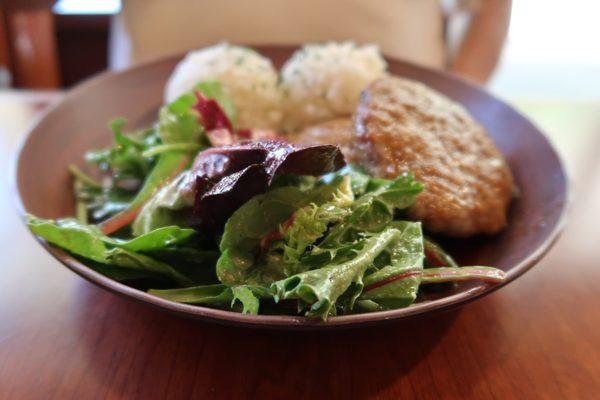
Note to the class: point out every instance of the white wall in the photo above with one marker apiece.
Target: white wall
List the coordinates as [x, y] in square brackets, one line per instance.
[552, 52]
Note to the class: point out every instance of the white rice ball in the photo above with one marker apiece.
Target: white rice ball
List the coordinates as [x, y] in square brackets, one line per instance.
[247, 77]
[324, 81]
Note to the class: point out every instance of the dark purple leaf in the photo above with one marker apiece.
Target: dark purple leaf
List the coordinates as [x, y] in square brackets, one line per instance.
[278, 157]
[216, 162]
[315, 161]
[213, 207]
[226, 177]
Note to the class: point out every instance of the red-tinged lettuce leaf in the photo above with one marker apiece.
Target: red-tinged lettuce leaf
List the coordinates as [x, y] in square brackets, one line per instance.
[210, 114]
[221, 179]
[315, 161]
[223, 185]
[279, 157]
[215, 118]
[217, 162]
[214, 206]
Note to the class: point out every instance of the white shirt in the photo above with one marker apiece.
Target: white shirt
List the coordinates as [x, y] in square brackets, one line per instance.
[405, 29]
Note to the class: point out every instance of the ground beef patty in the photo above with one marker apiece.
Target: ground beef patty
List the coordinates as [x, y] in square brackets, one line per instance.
[403, 125]
[339, 132]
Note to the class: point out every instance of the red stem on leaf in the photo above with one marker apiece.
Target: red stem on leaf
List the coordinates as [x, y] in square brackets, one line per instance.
[484, 275]
[275, 234]
[128, 215]
[433, 257]
[211, 115]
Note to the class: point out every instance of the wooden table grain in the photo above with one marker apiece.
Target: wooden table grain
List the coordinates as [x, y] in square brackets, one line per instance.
[538, 338]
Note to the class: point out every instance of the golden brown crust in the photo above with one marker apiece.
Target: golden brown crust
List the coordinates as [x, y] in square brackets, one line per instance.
[403, 125]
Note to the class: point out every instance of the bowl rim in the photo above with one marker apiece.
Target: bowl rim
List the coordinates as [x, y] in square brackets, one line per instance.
[281, 321]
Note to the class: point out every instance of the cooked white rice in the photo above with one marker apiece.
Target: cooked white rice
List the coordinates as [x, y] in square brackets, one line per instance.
[324, 81]
[248, 78]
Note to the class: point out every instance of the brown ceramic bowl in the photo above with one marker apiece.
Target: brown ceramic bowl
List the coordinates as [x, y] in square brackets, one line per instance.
[78, 123]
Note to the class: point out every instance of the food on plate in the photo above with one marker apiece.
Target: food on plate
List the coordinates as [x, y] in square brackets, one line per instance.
[339, 131]
[402, 125]
[248, 79]
[199, 209]
[324, 81]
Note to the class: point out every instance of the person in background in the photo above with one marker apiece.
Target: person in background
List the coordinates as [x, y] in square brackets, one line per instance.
[420, 31]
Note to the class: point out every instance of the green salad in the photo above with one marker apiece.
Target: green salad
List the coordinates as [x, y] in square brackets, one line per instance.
[198, 211]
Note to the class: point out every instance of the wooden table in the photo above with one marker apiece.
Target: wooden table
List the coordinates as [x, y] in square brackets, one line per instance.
[61, 337]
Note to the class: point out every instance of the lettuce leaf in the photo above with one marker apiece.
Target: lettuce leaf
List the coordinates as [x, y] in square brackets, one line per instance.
[359, 180]
[310, 223]
[399, 193]
[244, 230]
[240, 244]
[218, 295]
[214, 90]
[87, 241]
[370, 213]
[406, 254]
[319, 289]
[189, 260]
[171, 205]
[396, 193]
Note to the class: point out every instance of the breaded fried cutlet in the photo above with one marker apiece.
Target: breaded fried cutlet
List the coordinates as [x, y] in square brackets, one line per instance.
[402, 125]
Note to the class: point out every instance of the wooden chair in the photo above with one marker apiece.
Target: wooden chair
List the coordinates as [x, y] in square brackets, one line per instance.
[28, 46]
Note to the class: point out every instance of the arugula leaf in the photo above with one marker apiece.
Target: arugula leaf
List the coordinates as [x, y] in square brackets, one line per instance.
[171, 205]
[435, 256]
[87, 241]
[178, 123]
[136, 261]
[102, 202]
[218, 295]
[130, 276]
[320, 288]
[198, 265]
[154, 157]
[399, 193]
[74, 236]
[125, 160]
[156, 239]
[359, 179]
[71, 235]
[395, 193]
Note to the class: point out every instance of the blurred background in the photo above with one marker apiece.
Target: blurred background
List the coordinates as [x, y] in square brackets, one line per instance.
[547, 63]
[550, 56]
[551, 51]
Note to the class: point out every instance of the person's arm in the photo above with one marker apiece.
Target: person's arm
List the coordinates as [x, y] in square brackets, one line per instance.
[481, 46]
